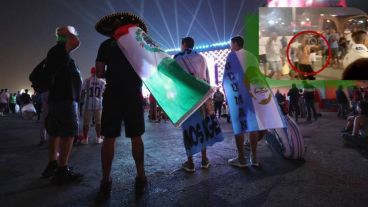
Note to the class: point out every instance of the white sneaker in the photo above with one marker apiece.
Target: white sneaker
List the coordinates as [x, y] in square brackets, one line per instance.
[99, 140]
[84, 141]
[235, 162]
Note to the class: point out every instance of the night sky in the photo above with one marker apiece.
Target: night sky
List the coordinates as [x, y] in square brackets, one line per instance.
[28, 27]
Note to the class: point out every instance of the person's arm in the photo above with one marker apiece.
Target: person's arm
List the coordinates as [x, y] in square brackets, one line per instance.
[100, 69]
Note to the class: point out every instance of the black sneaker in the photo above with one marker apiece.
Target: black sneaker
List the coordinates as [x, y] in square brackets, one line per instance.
[65, 175]
[140, 185]
[50, 169]
[105, 191]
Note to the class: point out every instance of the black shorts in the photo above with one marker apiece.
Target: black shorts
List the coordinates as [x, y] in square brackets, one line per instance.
[118, 107]
[306, 69]
[62, 119]
[263, 58]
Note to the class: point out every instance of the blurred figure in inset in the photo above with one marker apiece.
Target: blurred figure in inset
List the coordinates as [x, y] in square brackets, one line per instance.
[356, 130]
[303, 54]
[274, 57]
[262, 55]
[342, 102]
[358, 50]
[333, 40]
[294, 101]
[343, 49]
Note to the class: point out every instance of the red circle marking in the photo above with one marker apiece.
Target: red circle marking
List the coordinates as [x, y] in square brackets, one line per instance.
[297, 69]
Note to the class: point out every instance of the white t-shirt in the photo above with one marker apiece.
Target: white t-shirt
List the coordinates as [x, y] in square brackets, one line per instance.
[294, 51]
[262, 46]
[274, 51]
[4, 97]
[356, 52]
[94, 88]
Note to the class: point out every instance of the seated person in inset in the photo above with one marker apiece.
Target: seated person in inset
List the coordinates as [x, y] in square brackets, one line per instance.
[358, 125]
[357, 70]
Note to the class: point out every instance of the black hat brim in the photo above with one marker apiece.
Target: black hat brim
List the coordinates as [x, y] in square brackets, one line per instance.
[108, 24]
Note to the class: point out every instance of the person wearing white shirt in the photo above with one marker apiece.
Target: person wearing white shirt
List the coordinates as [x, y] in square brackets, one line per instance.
[262, 54]
[93, 88]
[273, 49]
[358, 50]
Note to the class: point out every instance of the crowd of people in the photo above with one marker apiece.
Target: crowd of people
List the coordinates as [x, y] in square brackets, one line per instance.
[345, 50]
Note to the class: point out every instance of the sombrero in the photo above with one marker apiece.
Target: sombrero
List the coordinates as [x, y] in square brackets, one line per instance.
[108, 24]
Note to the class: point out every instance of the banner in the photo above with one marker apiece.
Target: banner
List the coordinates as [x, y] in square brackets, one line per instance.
[178, 93]
[200, 132]
[251, 103]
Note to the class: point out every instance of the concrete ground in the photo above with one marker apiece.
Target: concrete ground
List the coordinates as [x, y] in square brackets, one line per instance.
[332, 175]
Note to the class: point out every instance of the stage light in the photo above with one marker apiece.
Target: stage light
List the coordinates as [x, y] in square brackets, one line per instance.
[307, 19]
[302, 22]
[271, 22]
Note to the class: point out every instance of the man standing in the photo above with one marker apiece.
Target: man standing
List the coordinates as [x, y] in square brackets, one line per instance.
[254, 136]
[122, 100]
[93, 88]
[274, 49]
[309, 100]
[218, 100]
[294, 100]
[342, 102]
[194, 64]
[62, 119]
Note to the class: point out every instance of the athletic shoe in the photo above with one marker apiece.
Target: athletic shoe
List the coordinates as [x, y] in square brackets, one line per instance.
[205, 164]
[65, 175]
[105, 191]
[50, 169]
[254, 162]
[84, 141]
[188, 166]
[140, 185]
[235, 162]
[99, 140]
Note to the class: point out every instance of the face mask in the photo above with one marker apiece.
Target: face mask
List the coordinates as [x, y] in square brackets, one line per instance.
[62, 39]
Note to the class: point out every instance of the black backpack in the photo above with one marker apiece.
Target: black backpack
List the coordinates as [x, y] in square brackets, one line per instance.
[39, 78]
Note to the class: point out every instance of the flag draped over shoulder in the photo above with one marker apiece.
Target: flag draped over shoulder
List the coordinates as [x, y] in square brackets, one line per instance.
[202, 128]
[251, 103]
[178, 93]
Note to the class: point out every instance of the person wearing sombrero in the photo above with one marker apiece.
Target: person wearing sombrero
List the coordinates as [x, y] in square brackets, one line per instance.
[122, 101]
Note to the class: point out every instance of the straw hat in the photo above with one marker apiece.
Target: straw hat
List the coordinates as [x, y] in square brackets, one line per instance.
[108, 24]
